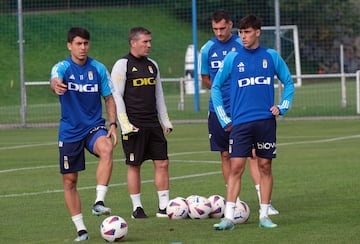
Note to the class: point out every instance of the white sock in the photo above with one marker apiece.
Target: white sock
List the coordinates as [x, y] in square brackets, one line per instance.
[257, 187]
[229, 210]
[79, 222]
[238, 201]
[100, 193]
[163, 198]
[264, 210]
[136, 200]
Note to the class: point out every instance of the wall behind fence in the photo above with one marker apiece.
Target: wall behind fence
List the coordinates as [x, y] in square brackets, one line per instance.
[45, 24]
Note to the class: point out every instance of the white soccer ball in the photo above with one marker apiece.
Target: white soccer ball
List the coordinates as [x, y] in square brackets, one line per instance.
[177, 208]
[217, 206]
[242, 212]
[113, 229]
[199, 207]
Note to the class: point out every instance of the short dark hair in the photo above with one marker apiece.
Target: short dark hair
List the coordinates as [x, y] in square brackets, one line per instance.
[136, 31]
[221, 14]
[250, 21]
[77, 31]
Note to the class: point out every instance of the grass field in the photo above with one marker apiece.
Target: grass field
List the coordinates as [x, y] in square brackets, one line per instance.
[315, 188]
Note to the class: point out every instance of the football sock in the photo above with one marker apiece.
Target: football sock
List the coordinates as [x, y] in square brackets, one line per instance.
[238, 200]
[229, 210]
[257, 187]
[136, 200]
[264, 210]
[100, 193]
[163, 198]
[78, 222]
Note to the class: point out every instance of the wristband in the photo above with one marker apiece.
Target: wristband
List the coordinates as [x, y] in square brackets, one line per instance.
[113, 123]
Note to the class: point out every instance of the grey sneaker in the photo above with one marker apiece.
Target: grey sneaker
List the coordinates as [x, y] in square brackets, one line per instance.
[99, 209]
[272, 210]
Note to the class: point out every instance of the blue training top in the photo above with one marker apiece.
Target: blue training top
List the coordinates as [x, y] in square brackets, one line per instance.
[212, 55]
[81, 107]
[251, 75]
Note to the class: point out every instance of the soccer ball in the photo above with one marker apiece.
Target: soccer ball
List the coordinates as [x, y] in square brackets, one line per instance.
[242, 213]
[177, 208]
[217, 206]
[113, 229]
[199, 207]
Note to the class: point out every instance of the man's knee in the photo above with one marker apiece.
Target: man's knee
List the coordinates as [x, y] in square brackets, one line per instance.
[104, 147]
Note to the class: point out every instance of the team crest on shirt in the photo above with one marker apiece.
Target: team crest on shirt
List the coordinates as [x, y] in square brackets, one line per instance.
[150, 69]
[265, 63]
[224, 52]
[241, 67]
[90, 75]
[233, 49]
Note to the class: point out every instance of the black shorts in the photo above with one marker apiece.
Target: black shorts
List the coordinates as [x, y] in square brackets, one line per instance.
[72, 154]
[260, 134]
[147, 143]
[219, 138]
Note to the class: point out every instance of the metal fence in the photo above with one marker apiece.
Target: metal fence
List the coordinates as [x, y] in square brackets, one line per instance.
[328, 72]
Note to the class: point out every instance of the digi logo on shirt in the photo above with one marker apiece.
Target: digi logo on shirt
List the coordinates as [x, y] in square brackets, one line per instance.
[216, 64]
[83, 87]
[261, 80]
[144, 81]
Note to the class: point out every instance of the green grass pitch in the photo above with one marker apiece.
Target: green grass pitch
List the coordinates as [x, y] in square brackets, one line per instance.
[316, 186]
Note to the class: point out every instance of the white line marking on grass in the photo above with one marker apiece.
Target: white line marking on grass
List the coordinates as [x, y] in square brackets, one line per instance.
[29, 145]
[319, 141]
[115, 160]
[196, 161]
[27, 168]
[188, 153]
[25, 194]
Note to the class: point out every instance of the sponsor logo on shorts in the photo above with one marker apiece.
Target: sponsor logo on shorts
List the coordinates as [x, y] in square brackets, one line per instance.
[266, 145]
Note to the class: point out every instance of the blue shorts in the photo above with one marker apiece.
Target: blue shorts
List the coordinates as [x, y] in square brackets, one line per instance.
[219, 138]
[147, 143]
[72, 154]
[260, 134]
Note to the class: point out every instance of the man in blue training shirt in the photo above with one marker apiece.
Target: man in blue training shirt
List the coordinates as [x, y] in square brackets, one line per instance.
[251, 72]
[212, 54]
[80, 82]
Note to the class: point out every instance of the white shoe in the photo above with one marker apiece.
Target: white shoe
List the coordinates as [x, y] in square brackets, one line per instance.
[162, 213]
[272, 210]
[83, 237]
